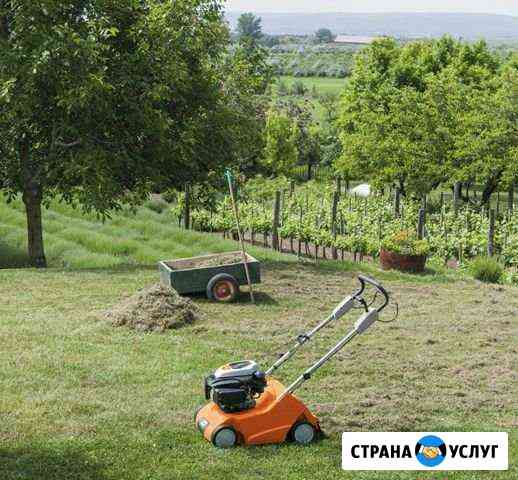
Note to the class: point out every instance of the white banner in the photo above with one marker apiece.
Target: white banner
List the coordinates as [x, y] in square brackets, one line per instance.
[425, 451]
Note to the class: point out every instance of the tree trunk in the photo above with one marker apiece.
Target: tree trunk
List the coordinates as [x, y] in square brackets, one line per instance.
[32, 196]
[490, 187]
[457, 193]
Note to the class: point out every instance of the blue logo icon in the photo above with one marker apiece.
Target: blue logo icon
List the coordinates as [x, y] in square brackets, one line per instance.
[430, 451]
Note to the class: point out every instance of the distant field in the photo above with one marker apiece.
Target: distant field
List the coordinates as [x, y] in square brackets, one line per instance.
[322, 84]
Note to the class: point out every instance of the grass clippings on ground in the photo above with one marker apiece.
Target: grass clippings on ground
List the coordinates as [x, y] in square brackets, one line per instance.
[157, 308]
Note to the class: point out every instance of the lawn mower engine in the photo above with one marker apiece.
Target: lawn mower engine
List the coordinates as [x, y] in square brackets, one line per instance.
[235, 387]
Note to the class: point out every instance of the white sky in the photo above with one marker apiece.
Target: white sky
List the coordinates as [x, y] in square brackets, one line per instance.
[368, 6]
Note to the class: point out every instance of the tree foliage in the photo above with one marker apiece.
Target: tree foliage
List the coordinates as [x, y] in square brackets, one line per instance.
[429, 113]
[324, 35]
[282, 134]
[100, 101]
[249, 27]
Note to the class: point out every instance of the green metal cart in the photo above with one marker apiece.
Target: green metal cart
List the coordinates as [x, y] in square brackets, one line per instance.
[216, 275]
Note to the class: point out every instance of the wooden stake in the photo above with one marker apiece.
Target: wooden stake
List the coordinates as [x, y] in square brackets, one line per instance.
[421, 224]
[336, 198]
[275, 225]
[491, 234]
[243, 251]
[187, 207]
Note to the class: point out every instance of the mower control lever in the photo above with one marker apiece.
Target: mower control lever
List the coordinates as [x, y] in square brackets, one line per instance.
[365, 321]
[343, 308]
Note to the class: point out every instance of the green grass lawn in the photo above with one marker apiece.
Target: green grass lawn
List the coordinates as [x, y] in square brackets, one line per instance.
[322, 84]
[84, 400]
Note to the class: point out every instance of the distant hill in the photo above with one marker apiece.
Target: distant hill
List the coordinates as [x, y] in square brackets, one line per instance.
[494, 28]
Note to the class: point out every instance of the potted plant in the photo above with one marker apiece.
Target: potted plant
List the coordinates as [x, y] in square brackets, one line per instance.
[404, 251]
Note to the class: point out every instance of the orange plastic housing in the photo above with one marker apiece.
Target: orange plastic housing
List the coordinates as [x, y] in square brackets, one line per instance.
[269, 421]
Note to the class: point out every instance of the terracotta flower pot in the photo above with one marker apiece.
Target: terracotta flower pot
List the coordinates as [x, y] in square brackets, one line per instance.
[403, 263]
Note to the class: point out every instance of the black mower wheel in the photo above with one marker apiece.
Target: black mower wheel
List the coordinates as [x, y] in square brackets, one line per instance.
[303, 433]
[223, 288]
[225, 437]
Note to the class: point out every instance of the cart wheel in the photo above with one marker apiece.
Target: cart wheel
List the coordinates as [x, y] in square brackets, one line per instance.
[225, 438]
[223, 288]
[303, 433]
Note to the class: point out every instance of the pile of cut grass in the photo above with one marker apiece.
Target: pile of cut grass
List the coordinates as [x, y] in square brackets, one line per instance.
[156, 308]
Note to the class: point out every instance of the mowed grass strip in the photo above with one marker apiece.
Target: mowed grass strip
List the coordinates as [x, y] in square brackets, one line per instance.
[84, 400]
[74, 239]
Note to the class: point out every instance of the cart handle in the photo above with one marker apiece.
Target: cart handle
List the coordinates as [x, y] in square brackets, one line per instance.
[368, 280]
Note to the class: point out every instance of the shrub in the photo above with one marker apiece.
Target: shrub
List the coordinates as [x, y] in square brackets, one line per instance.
[405, 242]
[487, 269]
[170, 196]
[282, 89]
[299, 88]
[157, 205]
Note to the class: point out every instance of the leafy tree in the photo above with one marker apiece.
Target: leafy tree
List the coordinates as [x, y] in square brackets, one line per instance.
[282, 133]
[248, 80]
[270, 40]
[308, 138]
[101, 100]
[324, 35]
[249, 27]
[487, 149]
[410, 116]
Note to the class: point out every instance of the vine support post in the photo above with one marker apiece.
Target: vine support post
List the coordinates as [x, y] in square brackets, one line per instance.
[510, 197]
[187, 207]
[397, 202]
[252, 231]
[336, 198]
[498, 203]
[491, 234]
[275, 225]
[299, 246]
[421, 224]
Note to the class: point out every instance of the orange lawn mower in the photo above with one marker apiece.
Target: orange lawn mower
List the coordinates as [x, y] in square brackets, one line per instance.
[249, 407]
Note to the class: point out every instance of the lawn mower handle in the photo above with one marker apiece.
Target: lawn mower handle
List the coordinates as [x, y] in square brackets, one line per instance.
[364, 280]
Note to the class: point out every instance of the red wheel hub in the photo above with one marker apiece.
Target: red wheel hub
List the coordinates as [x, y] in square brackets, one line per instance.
[223, 290]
